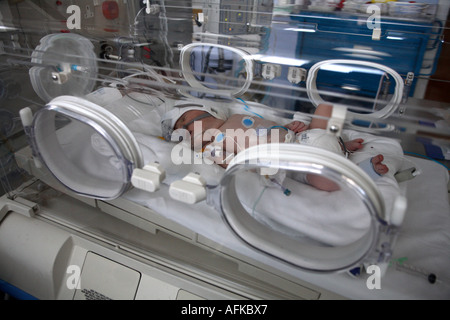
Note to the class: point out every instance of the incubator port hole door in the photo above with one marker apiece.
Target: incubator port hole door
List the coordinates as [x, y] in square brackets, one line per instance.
[299, 224]
[87, 148]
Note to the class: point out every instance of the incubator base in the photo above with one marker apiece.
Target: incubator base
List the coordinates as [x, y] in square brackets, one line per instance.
[183, 261]
[73, 251]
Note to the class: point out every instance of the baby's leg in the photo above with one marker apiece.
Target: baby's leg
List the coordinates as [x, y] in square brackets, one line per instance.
[322, 183]
[323, 111]
[325, 184]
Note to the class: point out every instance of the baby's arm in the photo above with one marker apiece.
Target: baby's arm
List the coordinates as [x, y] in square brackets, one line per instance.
[297, 126]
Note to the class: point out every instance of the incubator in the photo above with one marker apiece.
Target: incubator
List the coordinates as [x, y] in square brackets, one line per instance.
[165, 149]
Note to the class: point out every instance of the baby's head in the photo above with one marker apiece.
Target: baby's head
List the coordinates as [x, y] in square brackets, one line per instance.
[182, 116]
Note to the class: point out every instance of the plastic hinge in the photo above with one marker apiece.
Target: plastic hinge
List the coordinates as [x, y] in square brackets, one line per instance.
[336, 122]
[376, 34]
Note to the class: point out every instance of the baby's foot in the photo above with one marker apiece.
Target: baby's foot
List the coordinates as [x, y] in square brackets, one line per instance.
[354, 145]
[378, 166]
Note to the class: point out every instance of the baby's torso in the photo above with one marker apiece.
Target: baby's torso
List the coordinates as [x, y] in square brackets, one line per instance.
[250, 131]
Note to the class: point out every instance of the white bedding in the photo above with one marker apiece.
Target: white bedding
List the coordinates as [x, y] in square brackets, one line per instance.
[424, 237]
[336, 218]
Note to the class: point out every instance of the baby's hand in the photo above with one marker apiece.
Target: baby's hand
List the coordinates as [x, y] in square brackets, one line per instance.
[297, 126]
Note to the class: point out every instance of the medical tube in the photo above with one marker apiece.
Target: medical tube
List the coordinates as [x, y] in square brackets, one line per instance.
[286, 191]
[430, 277]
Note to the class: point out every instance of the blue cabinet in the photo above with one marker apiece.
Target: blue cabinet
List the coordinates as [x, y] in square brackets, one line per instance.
[402, 46]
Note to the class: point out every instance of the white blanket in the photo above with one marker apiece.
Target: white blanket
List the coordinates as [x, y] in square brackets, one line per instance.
[336, 218]
[424, 239]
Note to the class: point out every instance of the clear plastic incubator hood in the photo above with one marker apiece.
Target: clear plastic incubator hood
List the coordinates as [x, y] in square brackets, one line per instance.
[225, 149]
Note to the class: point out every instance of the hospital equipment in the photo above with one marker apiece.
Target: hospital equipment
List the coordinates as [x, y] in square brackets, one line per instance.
[101, 199]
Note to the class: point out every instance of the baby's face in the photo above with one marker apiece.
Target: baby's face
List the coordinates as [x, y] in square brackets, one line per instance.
[187, 118]
[197, 128]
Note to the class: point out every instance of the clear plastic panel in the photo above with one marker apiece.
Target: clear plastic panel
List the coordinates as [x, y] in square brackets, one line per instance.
[216, 68]
[66, 65]
[282, 39]
[269, 194]
[319, 215]
[280, 43]
[91, 165]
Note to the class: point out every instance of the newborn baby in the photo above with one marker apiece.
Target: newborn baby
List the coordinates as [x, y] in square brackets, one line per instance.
[222, 137]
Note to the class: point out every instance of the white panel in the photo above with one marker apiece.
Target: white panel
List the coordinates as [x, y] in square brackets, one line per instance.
[105, 279]
[154, 289]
